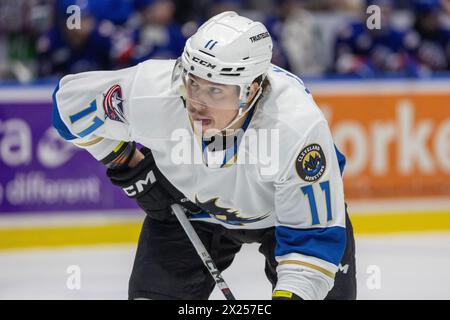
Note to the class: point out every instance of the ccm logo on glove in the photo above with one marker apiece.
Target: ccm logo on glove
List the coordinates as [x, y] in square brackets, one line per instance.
[138, 187]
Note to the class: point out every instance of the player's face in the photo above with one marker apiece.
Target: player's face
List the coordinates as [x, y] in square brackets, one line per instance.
[211, 105]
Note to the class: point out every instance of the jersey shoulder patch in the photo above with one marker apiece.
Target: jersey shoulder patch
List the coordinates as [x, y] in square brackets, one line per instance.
[113, 103]
[310, 164]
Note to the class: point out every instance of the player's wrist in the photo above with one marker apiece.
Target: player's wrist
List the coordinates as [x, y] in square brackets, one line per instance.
[121, 156]
[137, 157]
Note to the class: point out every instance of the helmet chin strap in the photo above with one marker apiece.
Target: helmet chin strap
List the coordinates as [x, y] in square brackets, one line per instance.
[241, 113]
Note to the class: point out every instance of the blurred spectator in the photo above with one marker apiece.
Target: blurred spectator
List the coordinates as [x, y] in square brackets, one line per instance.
[219, 6]
[156, 35]
[274, 21]
[374, 52]
[333, 5]
[206, 9]
[430, 40]
[115, 11]
[412, 41]
[188, 10]
[300, 39]
[21, 22]
[63, 50]
[446, 5]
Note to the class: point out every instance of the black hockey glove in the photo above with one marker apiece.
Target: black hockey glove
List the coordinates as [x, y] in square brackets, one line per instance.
[148, 186]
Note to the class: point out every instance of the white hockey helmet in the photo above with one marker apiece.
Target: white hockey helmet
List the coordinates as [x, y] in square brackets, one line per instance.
[229, 49]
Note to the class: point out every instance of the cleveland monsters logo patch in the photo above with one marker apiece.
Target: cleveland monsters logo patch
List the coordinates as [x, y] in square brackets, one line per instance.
[226, 215]
[310, 163]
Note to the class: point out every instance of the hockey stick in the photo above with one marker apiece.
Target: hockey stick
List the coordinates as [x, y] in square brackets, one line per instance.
[201, 250]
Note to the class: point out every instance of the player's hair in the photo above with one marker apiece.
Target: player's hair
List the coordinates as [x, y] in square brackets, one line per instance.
[264, 83]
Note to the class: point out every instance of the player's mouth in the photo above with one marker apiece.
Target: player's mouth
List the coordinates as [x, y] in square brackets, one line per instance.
[204, 120]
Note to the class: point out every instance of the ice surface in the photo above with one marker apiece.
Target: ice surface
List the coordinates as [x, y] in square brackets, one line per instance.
[411, 267]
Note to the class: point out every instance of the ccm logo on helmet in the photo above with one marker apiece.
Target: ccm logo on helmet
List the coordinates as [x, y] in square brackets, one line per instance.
[138, 187]
[204, 63]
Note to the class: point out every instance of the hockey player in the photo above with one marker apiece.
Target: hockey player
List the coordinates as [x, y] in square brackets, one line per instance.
[238, 142]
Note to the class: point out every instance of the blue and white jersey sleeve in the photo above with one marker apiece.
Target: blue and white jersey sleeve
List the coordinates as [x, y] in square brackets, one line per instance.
[310, 215]
[91, 109]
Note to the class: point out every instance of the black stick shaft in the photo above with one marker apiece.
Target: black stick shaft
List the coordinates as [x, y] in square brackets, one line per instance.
[202, 252]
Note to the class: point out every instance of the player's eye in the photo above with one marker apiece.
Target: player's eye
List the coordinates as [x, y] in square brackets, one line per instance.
[215, 90]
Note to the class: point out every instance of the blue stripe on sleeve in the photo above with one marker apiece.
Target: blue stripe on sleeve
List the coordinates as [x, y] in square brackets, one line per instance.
[92, 107]
[341, 160]
[324, 243]
[57, 122]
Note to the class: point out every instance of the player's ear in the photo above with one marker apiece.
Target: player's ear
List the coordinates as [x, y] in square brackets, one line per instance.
[252, 92]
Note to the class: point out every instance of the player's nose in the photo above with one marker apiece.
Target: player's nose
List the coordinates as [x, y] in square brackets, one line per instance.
[198, 106]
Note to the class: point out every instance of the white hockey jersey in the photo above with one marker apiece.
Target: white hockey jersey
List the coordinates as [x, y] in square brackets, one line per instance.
[285, 171]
